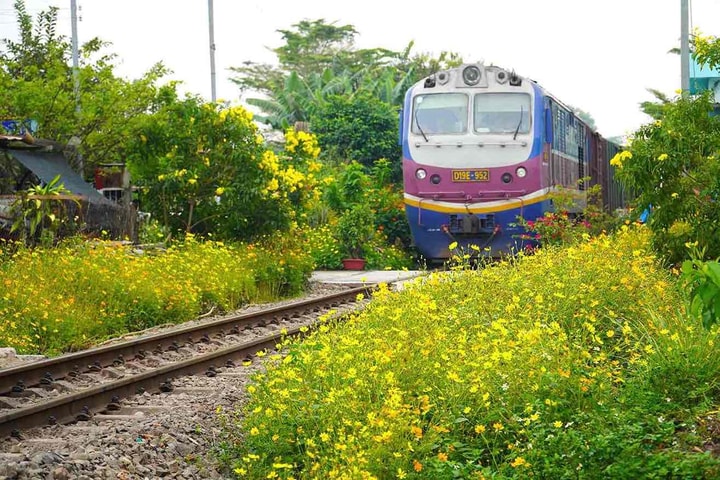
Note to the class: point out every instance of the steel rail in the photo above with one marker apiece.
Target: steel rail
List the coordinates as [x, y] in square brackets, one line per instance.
[66, 408]
[60, 367]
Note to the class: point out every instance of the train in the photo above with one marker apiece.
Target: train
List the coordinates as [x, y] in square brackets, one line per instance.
[483, 146]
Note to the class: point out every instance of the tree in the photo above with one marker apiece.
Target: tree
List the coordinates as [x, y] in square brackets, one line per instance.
[673, 166]
[203, 168]
[198, 167]
[656, 110]
[36, 80]
[319, 59]
[360, 128]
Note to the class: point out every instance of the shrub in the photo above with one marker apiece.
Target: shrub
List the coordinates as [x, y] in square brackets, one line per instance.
[323, 247]
[358, 127]
[354, 230]
[673, 166]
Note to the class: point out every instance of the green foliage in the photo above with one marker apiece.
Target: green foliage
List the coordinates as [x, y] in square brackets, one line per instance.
[201, 169]
[350, 187]
[703, 282]
[324, 248]
[559, 227]
[38, 214]
[360, 128]
[673, 166]
[354, 187]
[656, 110]
[318, 60]
[706, 50]
[382, 254]
[36, 82]
[390, 219]
[354, 230]
[294, 102]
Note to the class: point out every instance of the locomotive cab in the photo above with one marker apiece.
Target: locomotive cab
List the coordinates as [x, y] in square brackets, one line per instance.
[467, 135]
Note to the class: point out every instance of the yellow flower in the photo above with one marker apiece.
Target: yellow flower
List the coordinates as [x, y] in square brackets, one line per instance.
[442, 456]
[620, 158]
[219, 191]
[479, 429]
[557, 424]
[662, 157]
[498, 426]
[519, 462]
[272, 185]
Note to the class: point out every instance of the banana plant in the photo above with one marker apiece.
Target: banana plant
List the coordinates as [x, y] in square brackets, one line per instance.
[40, 207]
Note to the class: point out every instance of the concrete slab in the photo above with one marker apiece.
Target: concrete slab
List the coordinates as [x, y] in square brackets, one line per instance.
[354, 277]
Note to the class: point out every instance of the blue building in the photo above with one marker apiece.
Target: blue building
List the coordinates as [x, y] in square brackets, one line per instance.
[704, 78]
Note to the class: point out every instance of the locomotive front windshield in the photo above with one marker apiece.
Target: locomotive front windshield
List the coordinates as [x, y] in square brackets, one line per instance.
[440, 113]
[502, 113]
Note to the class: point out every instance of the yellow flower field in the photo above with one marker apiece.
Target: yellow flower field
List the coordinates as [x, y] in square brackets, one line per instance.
[72, 296]
[504, 372]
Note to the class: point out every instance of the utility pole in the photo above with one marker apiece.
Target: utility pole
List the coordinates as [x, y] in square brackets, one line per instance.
[684, 48]
[76, 71]
[75, 141]
[212, 51]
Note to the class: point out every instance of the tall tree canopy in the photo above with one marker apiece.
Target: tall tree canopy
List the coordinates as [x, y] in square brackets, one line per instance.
[319, 59]
[36, 82]
[672, 165]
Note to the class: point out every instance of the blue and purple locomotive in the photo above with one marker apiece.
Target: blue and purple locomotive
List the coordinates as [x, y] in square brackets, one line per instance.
[483, 146]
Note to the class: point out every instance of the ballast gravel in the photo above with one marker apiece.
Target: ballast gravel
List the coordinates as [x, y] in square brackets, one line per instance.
[164, 435]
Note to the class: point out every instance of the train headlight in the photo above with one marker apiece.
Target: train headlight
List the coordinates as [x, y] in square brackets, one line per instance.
[471, 75]
[506, 177]
[420, 174]
[521, 172]
[435, 179]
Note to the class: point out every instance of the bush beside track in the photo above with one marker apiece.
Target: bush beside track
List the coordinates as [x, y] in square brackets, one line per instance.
[575, 362]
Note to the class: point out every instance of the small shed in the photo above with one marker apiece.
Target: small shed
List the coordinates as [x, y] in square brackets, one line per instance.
[38, 160]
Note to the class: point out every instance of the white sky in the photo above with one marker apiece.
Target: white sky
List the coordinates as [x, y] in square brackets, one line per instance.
[599, 56]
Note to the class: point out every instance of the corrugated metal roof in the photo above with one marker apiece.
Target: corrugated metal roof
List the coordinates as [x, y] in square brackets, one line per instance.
[47, 165]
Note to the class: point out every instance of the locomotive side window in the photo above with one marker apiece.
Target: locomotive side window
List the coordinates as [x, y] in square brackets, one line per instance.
[502, 113]
[440, 113]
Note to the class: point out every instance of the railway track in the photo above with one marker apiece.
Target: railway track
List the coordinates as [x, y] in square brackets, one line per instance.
[76, 387]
